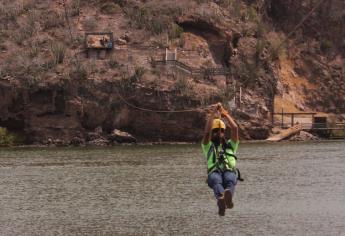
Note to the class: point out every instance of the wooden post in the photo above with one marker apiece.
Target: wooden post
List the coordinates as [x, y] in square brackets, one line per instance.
[282, 124]
[312, 118]
[272, 111]
[240, 96]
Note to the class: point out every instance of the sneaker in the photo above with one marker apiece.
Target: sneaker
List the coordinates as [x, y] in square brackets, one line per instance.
[221, 206]
[228, 199]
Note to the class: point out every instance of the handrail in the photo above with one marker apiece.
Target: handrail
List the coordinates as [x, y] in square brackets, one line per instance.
[191, 70]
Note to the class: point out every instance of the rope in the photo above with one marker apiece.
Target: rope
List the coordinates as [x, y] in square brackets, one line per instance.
[161, 111]
[300, 23]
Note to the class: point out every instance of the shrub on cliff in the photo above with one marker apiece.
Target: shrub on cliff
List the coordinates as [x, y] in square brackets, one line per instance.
[6, 138]
[52, 19]
[326, 46]
[58, 52]
[110, 8]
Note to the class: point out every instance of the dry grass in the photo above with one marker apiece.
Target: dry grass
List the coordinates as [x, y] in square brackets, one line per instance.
[53, 19]
[90, 23]
[175, 31]
[9, 12]
[34, 49]
[153, 20]
[27, 29]
[110, 8]
[58, 51]
[183, 86]
[113, 63]
[75, 8]
[78, 70]
[277, 47]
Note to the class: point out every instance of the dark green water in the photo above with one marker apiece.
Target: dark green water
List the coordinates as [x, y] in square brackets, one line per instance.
[289, 189]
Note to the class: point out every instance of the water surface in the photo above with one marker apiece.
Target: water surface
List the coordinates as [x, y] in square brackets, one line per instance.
[289, 189]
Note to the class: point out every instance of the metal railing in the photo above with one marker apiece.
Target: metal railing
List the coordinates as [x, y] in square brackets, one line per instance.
[313, 126]
[195, 71]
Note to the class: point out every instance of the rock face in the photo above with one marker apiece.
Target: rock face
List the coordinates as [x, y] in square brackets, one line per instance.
[226, 51]
[79, 119]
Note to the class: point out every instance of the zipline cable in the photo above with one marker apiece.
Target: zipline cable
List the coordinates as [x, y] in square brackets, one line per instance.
[161, 111]
[300, 23]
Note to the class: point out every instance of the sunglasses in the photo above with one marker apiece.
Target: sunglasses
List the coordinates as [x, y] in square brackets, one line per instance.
[217, 130]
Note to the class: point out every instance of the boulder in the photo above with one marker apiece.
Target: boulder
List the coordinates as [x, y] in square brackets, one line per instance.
[303, 136]
[121, 137]
[98, 142]
[98, 130]
[93, 136]
[76, 141]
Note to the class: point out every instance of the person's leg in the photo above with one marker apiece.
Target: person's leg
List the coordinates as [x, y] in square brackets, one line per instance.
[215, 181]
[230, 181]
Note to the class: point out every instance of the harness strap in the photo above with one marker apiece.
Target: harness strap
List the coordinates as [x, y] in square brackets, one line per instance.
[237, 171]
[239, 175]
[230, 154]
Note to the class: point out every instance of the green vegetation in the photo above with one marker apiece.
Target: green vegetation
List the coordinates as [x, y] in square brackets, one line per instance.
[33, 50]
[53, 19]
[183, 86]
[139, 72]
[253, 14]
[248, 73]
[110, 8]
[261, 30]
[6, 138]
[9, 13]
[260, 46]
[277, 47]
[78, 70]
[175, 31]
[121, 3]
[154, 21]
[337, 133]
[2, 73]
[326, 45]
[234, 7]
[27, 29]
[75, 8]
[113, 63]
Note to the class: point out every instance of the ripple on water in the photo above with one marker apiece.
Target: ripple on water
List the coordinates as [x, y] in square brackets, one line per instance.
[289, 189]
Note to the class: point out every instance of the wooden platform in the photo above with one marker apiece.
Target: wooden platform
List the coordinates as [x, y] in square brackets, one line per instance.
[286, 133]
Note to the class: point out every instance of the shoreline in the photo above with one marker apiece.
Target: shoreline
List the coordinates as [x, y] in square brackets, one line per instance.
[163, 144]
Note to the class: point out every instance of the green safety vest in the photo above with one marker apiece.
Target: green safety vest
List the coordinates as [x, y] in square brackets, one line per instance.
[221, 157]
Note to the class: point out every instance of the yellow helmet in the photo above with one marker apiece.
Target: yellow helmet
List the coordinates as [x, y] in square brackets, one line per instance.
[218, 124]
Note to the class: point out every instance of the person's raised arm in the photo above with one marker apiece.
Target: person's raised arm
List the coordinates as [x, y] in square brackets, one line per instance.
[208, 126]
[232, 123]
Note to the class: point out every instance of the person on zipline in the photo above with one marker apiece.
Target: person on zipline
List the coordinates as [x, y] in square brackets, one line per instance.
[221, 160]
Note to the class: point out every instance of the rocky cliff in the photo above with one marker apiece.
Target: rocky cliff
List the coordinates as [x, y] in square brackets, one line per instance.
[54, 90]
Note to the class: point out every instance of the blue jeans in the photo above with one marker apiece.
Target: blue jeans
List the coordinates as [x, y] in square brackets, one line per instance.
[219, 181]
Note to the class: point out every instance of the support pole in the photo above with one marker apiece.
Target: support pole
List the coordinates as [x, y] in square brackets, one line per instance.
[282, 124]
